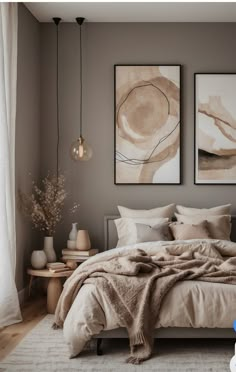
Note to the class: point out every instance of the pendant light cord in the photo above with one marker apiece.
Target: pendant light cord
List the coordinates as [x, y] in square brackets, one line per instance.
[58, 118]
[80, 21]
[81, 81]
[57, 21]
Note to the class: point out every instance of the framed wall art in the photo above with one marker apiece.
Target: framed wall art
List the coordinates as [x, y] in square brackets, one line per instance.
[215, 128]
[147, 124]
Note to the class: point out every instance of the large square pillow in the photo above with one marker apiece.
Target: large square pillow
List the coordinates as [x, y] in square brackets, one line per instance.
[166, 212]
[127, 231]
[215, 211]
[219, 226]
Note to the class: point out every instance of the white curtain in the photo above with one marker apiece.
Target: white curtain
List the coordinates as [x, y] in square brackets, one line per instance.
[9, 304]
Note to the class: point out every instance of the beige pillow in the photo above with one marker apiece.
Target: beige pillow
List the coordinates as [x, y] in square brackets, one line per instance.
[127, 231]
[167, 212]
[184, 231]
[215, 211]
[219, 226]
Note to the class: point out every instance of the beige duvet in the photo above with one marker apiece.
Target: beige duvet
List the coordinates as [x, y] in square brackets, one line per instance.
[188, 304]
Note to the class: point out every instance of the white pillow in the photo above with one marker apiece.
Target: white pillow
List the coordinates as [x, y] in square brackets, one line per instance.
[219, 226]
[127, 230]
[215, 211]
[166, 211]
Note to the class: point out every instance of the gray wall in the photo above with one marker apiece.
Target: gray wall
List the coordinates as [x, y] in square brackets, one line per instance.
[206, 47]
[198, 47]
[27, 130]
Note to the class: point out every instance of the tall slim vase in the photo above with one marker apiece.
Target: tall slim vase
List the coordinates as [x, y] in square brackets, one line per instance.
[73, 232]
[49, 249]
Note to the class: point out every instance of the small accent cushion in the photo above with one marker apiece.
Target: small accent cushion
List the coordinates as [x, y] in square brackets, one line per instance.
[166, 212]
[186, 231]
[215, 211]
[218, 226]
[127, 231]
[146, 233]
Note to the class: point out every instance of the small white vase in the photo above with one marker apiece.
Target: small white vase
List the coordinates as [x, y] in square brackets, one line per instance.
[49, 250]
[38, 259]
[83, 241]
[71, 244]
[74, 231]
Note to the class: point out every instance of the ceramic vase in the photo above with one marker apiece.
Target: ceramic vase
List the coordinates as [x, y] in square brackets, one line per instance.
[71, 244]
[49, 249]
[74, 231]
[83, 241]
[38, 259]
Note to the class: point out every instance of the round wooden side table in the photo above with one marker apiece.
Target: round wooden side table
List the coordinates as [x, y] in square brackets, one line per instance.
[54, 288]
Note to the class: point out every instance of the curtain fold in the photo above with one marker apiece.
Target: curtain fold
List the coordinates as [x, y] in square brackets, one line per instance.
[9, 303]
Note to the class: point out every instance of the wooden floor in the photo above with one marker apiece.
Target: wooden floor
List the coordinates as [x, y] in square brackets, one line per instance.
[32, 312]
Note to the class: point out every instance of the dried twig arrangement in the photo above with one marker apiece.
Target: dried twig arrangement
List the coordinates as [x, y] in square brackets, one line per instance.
[44, 205]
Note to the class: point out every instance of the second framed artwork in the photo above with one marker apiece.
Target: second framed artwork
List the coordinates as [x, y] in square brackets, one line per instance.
[215, 128]
[147, 124]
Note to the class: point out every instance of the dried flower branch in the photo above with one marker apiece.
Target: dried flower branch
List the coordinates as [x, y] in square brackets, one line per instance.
[44, 205]
[74, 208]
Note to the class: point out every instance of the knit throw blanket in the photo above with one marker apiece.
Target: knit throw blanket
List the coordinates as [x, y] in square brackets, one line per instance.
[129, 280]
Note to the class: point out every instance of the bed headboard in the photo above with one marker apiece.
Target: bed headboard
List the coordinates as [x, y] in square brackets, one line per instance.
[110, 232]
[111, 237]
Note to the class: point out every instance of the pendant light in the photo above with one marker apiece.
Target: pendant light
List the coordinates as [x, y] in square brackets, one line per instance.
[80, 150]
[57, 20]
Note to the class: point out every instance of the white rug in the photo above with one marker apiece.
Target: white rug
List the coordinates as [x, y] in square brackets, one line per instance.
[44, 349]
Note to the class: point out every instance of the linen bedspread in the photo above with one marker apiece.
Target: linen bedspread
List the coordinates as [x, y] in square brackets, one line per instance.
[133, 282]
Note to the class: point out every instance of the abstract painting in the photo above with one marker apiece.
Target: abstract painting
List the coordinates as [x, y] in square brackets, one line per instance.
[215, 128]
[147, 124]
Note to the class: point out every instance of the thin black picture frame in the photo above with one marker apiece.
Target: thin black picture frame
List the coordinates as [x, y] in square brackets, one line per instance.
[180, 127]
[195, 132]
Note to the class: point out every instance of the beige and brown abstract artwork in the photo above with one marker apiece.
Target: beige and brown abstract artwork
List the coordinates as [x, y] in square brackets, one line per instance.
[147, 124]
[215, 120]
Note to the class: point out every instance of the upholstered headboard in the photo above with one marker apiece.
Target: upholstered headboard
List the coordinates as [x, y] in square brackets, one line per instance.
[110, 232]
[111, 237]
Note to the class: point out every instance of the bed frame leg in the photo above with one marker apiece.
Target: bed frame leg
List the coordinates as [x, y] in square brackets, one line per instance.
[99, 346]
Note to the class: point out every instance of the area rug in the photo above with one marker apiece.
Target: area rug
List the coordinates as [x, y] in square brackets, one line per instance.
[44, 349]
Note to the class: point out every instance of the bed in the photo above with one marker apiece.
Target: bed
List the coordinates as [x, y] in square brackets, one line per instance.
[214, 302]
[110, 235]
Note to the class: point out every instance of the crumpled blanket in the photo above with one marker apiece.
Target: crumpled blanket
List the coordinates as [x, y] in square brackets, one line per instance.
[128, 279]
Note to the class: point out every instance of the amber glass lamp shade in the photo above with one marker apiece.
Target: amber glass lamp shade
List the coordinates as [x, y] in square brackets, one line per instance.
[80, 150]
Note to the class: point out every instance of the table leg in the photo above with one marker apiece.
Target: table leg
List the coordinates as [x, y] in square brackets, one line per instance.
[30, 284]
[53, 293]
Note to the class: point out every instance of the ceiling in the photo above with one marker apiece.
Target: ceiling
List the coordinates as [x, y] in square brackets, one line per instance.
[135, 12]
